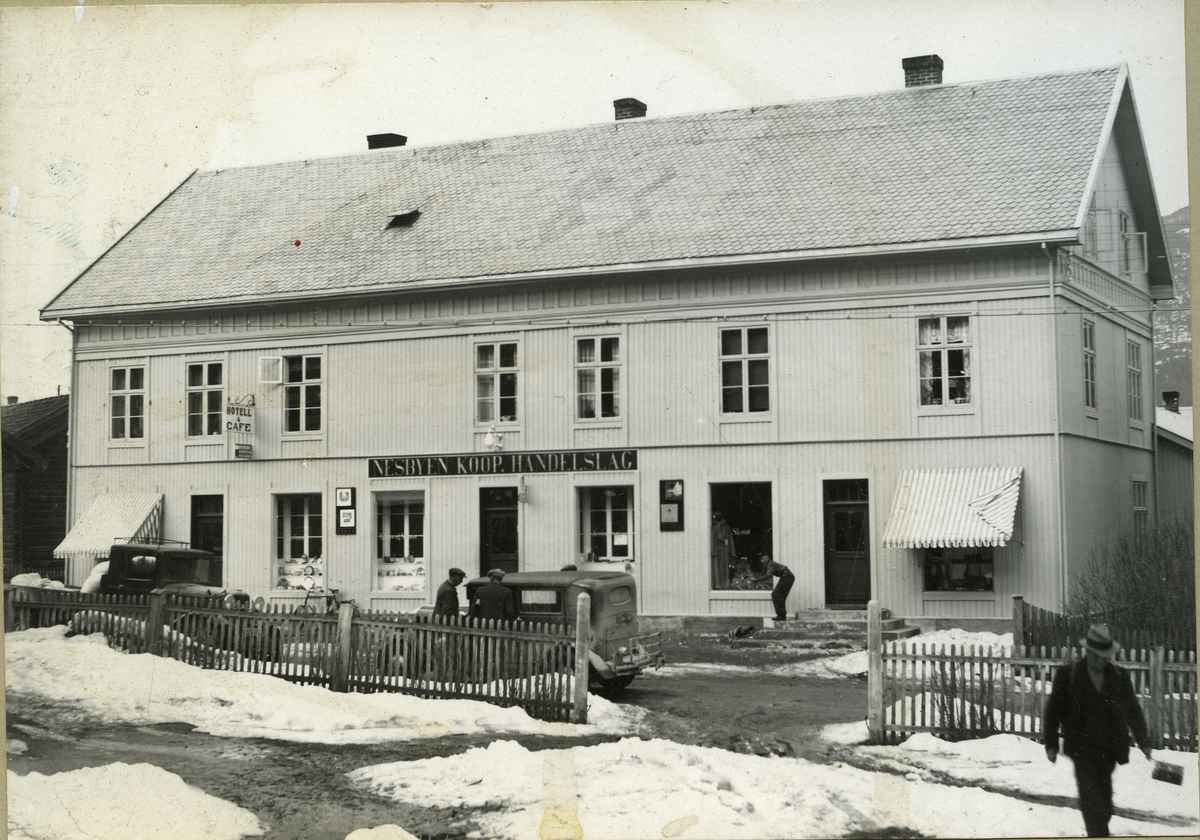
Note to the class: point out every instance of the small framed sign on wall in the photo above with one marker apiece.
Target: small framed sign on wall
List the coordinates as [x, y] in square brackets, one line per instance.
[345, 501]
[670, 505]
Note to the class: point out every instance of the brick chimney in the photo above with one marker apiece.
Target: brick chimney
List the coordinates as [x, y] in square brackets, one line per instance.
[628, 109]
[385, 141]
[13, 400]
[1170, 401]
[922, 70]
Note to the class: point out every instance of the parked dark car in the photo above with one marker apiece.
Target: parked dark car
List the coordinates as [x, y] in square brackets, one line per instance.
[618, 653]
[140, 568]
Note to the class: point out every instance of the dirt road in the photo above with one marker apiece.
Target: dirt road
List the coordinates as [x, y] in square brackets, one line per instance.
[301, 793]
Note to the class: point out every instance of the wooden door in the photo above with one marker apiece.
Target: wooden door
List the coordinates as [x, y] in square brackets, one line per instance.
[847, 543]
[498, 530]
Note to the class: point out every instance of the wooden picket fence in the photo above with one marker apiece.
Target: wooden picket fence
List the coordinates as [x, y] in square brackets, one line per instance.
[961, 692]
[541, 668]
[1037, 627]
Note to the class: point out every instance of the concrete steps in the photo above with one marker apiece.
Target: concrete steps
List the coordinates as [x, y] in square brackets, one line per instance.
[823, 631]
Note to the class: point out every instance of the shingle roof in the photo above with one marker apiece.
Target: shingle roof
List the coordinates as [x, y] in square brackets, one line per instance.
[31, 421]
[945, 162]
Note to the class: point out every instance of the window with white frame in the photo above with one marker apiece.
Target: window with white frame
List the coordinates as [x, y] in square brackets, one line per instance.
[944, 360]
[745, 370]
[299, 533]
[959, 569]
[606, 523]
[1091, 232]
[1133, 379]
[127, 403]
[400, 541]
[597, 377]
[302, 394]
[1141, 510]
[205, 398]
[496, 368]
[1089, 364]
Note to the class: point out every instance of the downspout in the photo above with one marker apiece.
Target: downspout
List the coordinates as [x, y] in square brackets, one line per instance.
[1058, 457]
[72, 425]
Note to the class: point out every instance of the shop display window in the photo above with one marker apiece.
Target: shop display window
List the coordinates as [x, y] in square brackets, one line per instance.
[299, 541]
[740, 534]
[959, 569]
[606, 524]
[400, 562]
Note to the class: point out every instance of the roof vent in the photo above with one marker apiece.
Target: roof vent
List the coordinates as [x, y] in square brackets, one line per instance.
[1170, 401]
[385, 141]
[628, 109]
[922, 70]
[404, 219]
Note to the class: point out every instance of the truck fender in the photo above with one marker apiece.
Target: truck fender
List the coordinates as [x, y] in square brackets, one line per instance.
[600, 665]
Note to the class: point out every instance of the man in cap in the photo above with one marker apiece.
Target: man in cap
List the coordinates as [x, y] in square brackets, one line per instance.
[493, 600]
[446, 604]
[1093, 702]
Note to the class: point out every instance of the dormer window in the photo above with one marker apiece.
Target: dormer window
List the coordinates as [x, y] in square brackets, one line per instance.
[404, 220]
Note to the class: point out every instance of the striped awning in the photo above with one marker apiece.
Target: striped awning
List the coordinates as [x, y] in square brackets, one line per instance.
[112, 517]
[954, 508]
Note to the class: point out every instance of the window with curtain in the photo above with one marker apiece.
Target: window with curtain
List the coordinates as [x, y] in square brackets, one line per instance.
[944, 360]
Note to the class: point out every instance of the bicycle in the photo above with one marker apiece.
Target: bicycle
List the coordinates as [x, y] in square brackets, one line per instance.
[333, 603]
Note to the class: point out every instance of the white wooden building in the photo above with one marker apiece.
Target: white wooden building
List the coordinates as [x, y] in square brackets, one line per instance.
[901, 342]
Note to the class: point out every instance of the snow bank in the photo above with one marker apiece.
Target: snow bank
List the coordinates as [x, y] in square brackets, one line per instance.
[84, 677]
[119, 802]
[630, 789]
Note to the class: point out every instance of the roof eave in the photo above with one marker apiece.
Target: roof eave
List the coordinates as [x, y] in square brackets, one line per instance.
[1067, 236]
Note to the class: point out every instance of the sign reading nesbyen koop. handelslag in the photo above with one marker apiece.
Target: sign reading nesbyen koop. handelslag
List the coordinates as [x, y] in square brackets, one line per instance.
[504, 463]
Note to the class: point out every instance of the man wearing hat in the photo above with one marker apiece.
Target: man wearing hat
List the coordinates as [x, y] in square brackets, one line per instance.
[1093, 702]
[446, 604]
[493, 600]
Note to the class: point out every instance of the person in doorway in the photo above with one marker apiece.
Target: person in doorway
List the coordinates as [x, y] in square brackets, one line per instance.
[723, 551]
[446, 604]
[494, 600]
[1092, 701]
[779, 594]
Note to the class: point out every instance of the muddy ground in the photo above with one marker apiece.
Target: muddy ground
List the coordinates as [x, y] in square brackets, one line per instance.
[299, 791]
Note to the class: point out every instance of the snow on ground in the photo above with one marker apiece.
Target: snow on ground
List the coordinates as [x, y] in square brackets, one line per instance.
[78, 805]
[629, 789]
[103, 684]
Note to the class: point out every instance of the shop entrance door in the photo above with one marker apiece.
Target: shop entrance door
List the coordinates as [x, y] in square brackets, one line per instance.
[847, 544]
[498, 534]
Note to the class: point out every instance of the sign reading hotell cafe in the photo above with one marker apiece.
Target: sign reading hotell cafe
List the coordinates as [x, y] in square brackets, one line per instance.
[503, 463]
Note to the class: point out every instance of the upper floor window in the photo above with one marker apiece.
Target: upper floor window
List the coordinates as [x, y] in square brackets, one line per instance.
[302, 394]
[1089, 364]
[1133, 379]
[745, 370]
[597, 377]
[944, 360]
[127, 400]
[205, 398]
[496, 382]
[1124, 230]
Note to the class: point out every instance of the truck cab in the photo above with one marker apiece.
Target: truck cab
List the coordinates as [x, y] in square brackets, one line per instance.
[617, 652]
[140, 568]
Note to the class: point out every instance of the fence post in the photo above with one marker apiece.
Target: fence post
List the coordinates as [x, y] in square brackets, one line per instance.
[154, 622]
[874, 673]
[1154, 710]
[1018, 619]
[10, 613]
[339, 677]
[583, 639]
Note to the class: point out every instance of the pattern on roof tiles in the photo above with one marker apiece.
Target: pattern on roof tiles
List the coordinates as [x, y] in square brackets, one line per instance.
[907, 166]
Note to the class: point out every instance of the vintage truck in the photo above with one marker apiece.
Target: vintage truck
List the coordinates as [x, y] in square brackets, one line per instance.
[618, 652]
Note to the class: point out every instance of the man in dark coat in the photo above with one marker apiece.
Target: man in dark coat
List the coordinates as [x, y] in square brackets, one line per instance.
[779, 594]
[493, 600]
[446, 604]
[1093, 702]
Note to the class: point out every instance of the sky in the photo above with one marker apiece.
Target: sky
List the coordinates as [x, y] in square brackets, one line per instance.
[106, 109]
[629, 788]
